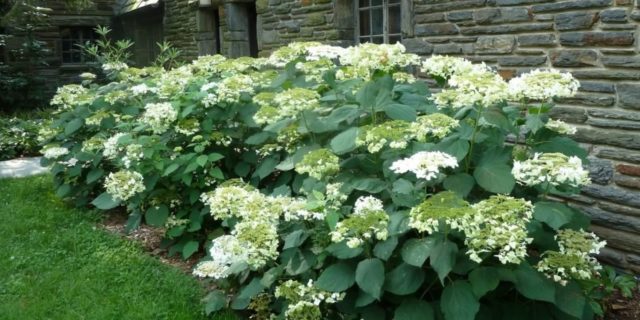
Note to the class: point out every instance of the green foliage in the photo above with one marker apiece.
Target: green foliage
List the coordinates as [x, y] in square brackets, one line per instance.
[19, 137]
[338, 178]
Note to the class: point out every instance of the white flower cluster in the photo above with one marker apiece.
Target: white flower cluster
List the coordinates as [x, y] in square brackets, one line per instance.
[573, 260]
[292, 51]
[560, 127]
[288, 103]
[443, 210]
[553, 168]
[226, 251]
[72, 95]
[499, 224]
[55, 152]
[115, 66]
[541, 85]
[111, 147]
[124, 184]
[304, 300]
[366, 58]
[228, 90]
[445, 66]
[478, 85]
[134, 152]
[324, 52]
[142, 89]
[315, 69]
[437, 124]
[368, 221]
[319, 164]
[159, 116]
[425, 164]
[396, 134]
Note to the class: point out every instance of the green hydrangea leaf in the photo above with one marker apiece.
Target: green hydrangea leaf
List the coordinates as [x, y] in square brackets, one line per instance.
[414, 309]
[458, 301]
[404, 279]
[416, 251]
[337, 278]
[370, 276]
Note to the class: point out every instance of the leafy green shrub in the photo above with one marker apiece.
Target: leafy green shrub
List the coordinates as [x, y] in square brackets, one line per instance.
[19, 137]
[329, 182]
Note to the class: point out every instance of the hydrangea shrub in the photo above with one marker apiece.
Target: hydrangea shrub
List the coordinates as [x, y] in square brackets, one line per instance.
[329, 183]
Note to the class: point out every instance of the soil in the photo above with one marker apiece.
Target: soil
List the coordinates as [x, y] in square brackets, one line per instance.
[620, 308]
[150, 238]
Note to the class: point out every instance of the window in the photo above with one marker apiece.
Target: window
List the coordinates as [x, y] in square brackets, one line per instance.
[379, 21]
[72, 38]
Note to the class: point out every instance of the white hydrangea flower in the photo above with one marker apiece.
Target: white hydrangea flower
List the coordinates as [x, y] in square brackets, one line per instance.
[225, 251]
[366, 204]
[111, 148]
[560, 127]
[72, 95]
[124, 184]
[425, 164]
[324, 52]
[477, 86]
[55, 152]
[114, 66]
[319, 164]
[142, 89]
[445, 66]
[227, 90]
[437, 124]
[541, 85]
[159, 116]
[365, 58]
[553, 168]
[369, 221]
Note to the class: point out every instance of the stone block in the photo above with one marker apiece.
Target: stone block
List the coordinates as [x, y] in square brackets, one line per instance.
[628, 169]
[427, 18]
[619, 208]
[621, 61]
[618, 154]
[593, 86]
[613, 220]
[614, 124]
[614, 114]
[628, 95]
[613, 194]
[503, 15]
[518, 2]
[626, 181]
[590, 100]
[617, 138]
[571, 5]
[617, 15]
[618, 239]
[537, 40]
[575, 20]
[573, 58]
[522, 61]
[614, 38]
[442, 6]
[607, 74]
[569, 113]
[600, 170]
[457, 16]
[436, 29]
[314, 19]
[502, 29]
[449, 48]
[495, 44]
[418, 46]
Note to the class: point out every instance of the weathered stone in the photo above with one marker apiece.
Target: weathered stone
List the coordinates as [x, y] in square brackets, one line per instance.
[628, 169]
[635, 15]
[613, 194]
[626, 181]
[525, 61]
[592, 86]
[610, 219]
[436, 29]
[431, 17]
[633, 263]
[600, 170]
[618, 239]
[579, 39]
[618, 154]
[418, 46]
[270, 36]
[314, 19]
[495, 44]
[618, 138]
[457, 16]
[619, 208]
[449, 48]
[464, 39]
[615, 114]
[513, 28]
[537, 40]
[614, 124]
[518, 2]
[628, 95]
[569, 114]
[573, 58]
[607, 74]
[575, 20]
[621, 61]
[611, 256]
[452, 5]
[486, 16]
[568, 5]
[590, 100]
[614, 16]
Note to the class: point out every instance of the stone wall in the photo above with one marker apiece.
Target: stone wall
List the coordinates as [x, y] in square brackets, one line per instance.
[284, 21]
[596, 40]
[181, 26]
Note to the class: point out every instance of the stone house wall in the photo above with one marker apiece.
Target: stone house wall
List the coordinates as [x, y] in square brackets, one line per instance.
[596, 40]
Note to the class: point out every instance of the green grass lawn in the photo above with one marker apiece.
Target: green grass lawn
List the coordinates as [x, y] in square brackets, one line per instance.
[55, 264]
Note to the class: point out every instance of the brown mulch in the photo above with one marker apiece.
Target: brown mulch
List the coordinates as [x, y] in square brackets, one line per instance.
[150, 238]
[620, 308]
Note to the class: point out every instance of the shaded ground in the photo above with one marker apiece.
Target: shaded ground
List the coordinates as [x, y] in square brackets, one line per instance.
[621, 308]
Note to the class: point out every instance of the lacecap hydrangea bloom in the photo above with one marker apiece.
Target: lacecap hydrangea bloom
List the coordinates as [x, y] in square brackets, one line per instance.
[542, 86]
[111, 146]
[425, 164]
[159, 116]
[319, 164]
[124, 184]
[228, 90]
[396, 134]
[477, 86]
[573, 260]
[436, 125]
[445, 66]
[368, 221]
[54, 152]
[499, 224]
[553, 168]
[72, 95]
[304, 300]
[225, 251]
[368, 57]
[439, 212]
[560, 127]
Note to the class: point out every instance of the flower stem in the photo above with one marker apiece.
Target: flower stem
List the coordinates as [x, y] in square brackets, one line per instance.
[473, 139]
